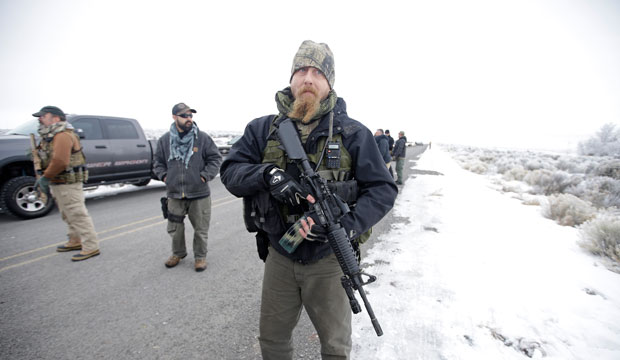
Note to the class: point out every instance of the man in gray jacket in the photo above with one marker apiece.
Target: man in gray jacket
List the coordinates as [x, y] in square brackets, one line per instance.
[398, 154]
[186, 160]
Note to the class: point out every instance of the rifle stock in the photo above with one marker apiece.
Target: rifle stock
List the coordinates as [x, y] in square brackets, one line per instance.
[36, 160]
[329, 209]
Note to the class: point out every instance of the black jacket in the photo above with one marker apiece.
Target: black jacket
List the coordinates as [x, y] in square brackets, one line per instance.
[400, 148]
[185, 183]
[242, 174]
[384, 147]
[390, 142]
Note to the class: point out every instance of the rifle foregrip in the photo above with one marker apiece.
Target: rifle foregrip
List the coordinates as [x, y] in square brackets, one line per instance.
[343, 250]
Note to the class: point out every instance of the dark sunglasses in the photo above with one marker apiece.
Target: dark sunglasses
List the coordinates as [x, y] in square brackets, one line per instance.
[185, 116]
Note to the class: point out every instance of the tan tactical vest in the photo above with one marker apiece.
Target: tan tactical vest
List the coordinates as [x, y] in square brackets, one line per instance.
[75, 171]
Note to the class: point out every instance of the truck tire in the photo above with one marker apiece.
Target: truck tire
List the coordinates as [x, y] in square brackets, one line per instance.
[20, 199]
[143, 182]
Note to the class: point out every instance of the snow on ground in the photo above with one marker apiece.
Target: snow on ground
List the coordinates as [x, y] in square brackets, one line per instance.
[470, 273]
[113, 189]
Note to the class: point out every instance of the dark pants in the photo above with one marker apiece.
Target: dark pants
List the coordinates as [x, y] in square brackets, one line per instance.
[287, 286]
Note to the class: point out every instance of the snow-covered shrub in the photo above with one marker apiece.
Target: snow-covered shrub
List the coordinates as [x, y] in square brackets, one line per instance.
[534, 164]
[548, 182]
[606, 142]
[601, 191]
[609, 168]
[601, 236]
[531, 199]
[476, 167]
[507, 163]
[568, 210]
[518, 172]
[569, 164]
[539, 179]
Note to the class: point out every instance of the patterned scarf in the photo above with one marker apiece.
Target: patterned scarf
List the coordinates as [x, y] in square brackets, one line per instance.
[182, 148]
[47, 133]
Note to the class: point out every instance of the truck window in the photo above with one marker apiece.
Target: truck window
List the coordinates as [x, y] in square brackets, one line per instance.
[90, 128]
[120, 129]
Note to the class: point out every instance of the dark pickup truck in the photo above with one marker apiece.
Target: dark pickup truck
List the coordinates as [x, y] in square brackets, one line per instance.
[116, 150]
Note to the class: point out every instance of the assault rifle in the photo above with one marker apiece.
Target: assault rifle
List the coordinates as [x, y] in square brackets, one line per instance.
[329, 209]
[36, 159]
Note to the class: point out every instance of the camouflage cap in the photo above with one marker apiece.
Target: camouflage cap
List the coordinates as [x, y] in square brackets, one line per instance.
[317, 55]
[180, 108]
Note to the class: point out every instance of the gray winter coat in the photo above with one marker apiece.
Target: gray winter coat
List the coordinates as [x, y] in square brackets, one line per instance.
[186, 183]
[400, 148]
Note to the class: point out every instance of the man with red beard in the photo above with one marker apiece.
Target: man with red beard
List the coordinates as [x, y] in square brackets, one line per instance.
[275, 199]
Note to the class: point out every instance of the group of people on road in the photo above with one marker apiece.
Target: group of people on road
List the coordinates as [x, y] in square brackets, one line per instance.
[340, 149]
[392, 151]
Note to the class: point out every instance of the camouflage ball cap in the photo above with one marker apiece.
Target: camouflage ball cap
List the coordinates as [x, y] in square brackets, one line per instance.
[317, 55]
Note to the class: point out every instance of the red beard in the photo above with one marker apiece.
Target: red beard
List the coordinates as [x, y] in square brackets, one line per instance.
[306, 104]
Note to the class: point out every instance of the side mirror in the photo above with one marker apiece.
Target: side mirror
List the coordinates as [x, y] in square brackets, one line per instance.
[80, 133]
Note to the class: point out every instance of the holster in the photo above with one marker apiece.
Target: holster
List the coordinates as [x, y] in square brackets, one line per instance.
[262, 245]
[170, 216]
[164, 206]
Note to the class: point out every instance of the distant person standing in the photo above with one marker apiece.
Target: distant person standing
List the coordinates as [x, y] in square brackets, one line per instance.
[391, 146]
[384, 147]
[186, 160]
[390, 140]
[64, 172]
[399, 153]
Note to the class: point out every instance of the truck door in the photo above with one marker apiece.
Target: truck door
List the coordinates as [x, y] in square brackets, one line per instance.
[96, 148]
[131, 152]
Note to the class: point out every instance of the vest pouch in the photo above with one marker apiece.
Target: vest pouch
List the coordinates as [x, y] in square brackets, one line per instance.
[364, 237]
[249, 214]
[346, 190]
[70, 177]
[261, 212]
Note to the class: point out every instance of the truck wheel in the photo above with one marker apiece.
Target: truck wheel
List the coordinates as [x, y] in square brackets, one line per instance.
[21, 199]
[143, 182]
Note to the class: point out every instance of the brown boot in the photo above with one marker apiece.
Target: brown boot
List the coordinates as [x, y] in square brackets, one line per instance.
[83, 256]
[174, 261]
[200, 265]
[69, 247]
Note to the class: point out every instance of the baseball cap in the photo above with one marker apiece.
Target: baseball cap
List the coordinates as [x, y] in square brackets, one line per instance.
[49, 109]
[181, 108]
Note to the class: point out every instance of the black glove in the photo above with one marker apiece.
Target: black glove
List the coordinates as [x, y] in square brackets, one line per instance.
[317, 231]
[284, 188]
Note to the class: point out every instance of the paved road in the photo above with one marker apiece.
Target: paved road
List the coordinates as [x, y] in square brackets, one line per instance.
[125, 304]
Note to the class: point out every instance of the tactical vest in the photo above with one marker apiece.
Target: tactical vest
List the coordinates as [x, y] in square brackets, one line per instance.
[75, 171]
[340, 181]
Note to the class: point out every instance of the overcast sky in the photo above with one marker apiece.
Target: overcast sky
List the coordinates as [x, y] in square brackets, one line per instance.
[523, 73]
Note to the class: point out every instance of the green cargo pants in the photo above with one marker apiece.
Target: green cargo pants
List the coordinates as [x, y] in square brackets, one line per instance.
[287, 285]
[199, 213]
[400, 164]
